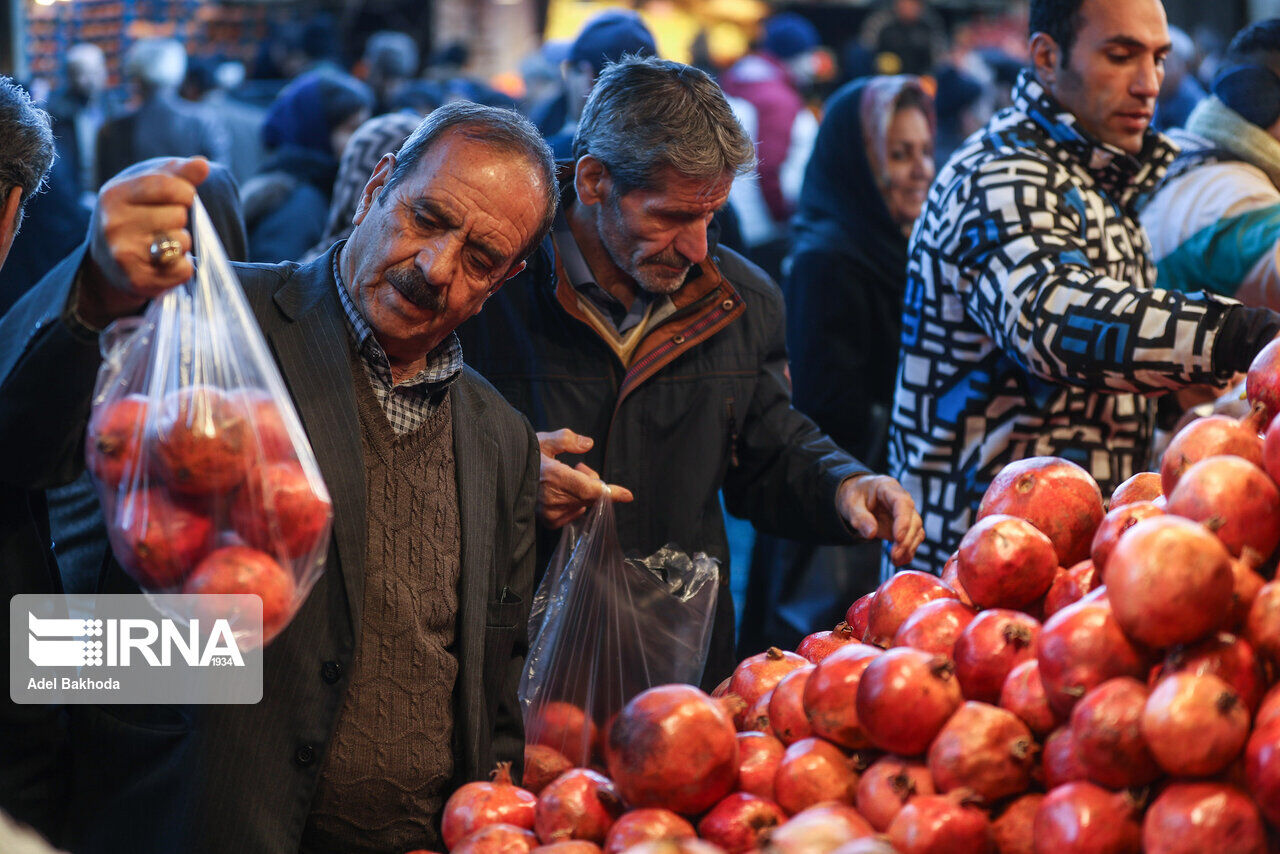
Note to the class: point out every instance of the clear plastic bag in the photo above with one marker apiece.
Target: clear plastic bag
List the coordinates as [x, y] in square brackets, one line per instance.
[207, 481]
[608, 628]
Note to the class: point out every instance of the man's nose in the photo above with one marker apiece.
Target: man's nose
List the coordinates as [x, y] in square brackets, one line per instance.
[437, 261]
[1146, 83]
[691, 242]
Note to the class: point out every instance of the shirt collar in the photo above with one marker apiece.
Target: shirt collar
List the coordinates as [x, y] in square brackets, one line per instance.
[444, 363]
[584, 281]
[1125, 176]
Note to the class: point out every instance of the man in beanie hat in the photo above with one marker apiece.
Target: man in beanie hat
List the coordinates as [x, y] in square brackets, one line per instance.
[606, 38]
[1215, 222]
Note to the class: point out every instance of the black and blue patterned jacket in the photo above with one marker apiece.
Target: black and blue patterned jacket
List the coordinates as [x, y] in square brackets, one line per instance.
[1031, 322]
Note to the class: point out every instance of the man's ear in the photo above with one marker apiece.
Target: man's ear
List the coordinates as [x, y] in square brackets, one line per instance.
[9, 221]
[511, 274]
[591, 180]
[375, 187]
[1046, 57]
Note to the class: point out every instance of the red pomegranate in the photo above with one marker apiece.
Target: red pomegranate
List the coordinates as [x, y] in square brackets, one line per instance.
[1226, 656]
[813, 771]
[1262, 626]
[565, 728]
[739, 821]
[202, 442]
[819, 645]
[569, 846]
[542, 764]
[897, 599]
[1246, 583]
[1081, 818]
[579, 804]
[497, 839]
[1268, 709]
[1023, 694]
[268, 424]
[825, 827]
[941, 824]
[756, 675]
[113, 444]
[1081, 647]
[673, 747]
[1262, 769]
[1015, 829]
[1113, 526]
[475, 805]
[1057, 496]
[1194, 818]
[830, 692]
[1271, 450]
[675, 846]
[758, 757]
[755, 718]
[1211, 436]
[904, 698]
[1236, 500]
[1060, 764]
[935, 626]
[997, 641]
[887, 785]
[646, 825]
[1006, 562]
[787, 716]
[984, 749]
[1143, 486]
[858, 614]
[279, 511]
[238, 569]
[1194, 724]
[1106, 728]
[1169, 581]
[951, 578]
[1070, 586]
[159, 539]
[867, 845]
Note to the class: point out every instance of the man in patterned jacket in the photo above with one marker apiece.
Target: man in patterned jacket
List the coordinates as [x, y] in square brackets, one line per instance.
[1032, 325]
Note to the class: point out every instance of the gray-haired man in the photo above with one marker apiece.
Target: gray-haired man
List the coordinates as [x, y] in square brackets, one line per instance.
[634, 328]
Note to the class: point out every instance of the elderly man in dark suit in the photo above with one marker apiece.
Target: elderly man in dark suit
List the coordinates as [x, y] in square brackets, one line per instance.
[396, 681]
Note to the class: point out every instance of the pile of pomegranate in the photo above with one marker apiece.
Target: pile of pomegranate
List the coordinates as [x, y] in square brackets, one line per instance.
[1084, 677]
[203, 492]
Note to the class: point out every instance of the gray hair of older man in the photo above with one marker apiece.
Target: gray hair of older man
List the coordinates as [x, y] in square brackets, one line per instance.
[26, 144]
[156, 64]
[503, 130]
[645, 114]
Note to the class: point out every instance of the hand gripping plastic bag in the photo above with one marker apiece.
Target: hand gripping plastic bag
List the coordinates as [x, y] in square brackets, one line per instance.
[606, 628]
[207, 481]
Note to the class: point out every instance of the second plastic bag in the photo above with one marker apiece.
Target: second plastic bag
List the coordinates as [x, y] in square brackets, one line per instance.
[608, 628]
[207, 481]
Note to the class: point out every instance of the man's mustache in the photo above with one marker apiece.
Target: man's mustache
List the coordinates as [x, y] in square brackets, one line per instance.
[414, 287]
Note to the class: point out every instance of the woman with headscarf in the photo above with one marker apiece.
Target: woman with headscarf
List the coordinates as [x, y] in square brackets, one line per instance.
[380, 135]
[306, 129]
[864, 188]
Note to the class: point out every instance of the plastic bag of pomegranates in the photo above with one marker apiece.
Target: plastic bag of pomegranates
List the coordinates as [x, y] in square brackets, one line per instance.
[207, 481]
[604, 628]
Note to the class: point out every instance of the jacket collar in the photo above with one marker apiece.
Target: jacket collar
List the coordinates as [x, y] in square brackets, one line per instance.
[1125, 177]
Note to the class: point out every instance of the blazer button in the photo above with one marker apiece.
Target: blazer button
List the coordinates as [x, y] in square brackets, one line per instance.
[331, 671]
[305, 756]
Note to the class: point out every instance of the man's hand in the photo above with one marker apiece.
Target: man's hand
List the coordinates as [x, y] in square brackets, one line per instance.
[877, 506]
[133, 210]
[565, 493]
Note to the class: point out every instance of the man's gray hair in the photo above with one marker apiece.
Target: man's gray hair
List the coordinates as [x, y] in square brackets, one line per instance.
[504, 130]
[646, 113]
[156, 64]
[26, 144]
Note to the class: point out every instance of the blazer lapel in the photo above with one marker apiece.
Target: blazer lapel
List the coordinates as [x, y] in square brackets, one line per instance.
[313, 354]
[476, 455]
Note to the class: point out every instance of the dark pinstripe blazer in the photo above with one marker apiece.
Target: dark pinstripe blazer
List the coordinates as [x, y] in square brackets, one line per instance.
[240, 778]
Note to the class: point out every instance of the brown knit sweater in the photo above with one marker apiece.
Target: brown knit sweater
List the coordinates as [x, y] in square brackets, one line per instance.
[391, 759]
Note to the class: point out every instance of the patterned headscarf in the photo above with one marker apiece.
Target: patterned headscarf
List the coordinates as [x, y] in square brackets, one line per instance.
[376, 137]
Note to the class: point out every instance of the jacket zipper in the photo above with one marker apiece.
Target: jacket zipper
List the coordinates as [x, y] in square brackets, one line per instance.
[733, 435]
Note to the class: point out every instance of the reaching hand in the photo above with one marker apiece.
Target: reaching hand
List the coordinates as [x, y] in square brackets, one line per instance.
[565, 493]
[877, 507]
